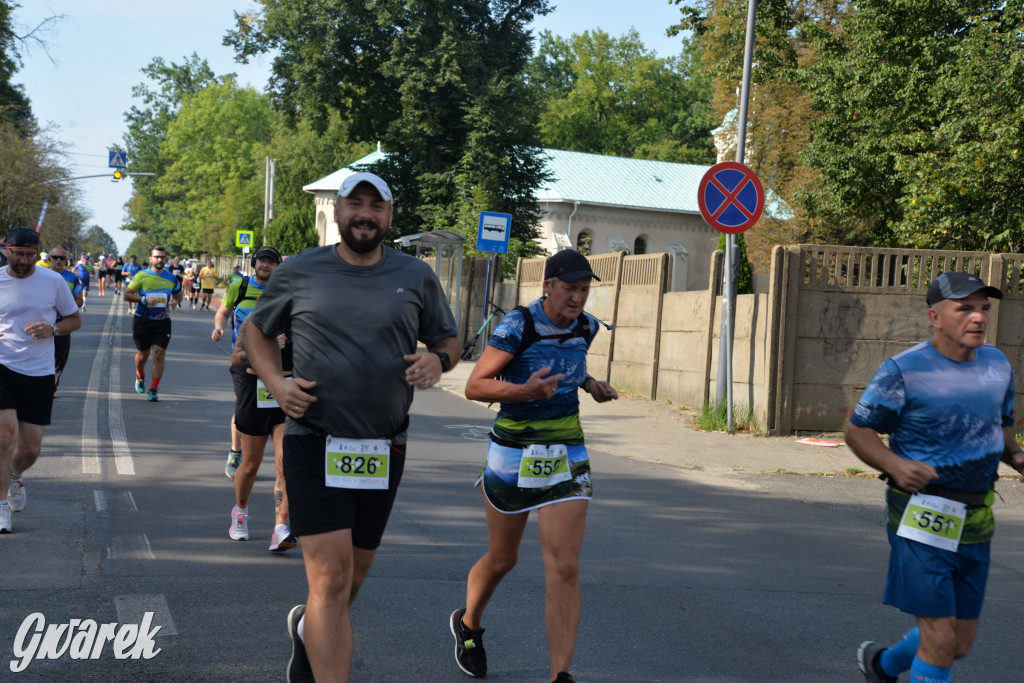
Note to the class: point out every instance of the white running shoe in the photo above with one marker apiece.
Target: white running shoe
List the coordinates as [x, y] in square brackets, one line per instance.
[5, 519]
[239, 529]
[16, 495]
[282, 539]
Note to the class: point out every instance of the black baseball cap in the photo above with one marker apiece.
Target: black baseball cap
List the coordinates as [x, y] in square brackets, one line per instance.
[568, 266]
[21, 237]
[267, 252]
[957, 286]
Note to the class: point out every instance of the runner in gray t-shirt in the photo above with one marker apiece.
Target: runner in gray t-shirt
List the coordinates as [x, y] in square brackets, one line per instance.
[356, 312]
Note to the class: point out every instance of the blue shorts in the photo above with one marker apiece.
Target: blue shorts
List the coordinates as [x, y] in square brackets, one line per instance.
[931, 582]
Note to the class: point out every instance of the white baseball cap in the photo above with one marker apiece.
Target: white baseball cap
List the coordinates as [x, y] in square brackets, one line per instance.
[352, 181]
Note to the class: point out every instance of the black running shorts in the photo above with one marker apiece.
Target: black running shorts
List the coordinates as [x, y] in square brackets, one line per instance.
[147, 333]
[31, 397]
[250, 419]
[316, 508]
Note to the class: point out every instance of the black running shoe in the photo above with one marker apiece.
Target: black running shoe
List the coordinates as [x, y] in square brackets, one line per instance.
[299, 668]
[564, 677]
[469, 647]
[867, 660]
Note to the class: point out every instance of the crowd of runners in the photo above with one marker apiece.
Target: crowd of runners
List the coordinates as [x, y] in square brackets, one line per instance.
[340, 440]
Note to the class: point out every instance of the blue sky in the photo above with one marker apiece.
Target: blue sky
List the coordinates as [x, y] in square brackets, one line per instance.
[82, 87]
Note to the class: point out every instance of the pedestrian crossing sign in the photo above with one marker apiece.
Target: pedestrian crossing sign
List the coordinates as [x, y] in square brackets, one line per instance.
[243, 238]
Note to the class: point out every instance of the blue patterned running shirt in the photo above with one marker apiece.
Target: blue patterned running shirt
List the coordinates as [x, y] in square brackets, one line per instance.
[943, 412]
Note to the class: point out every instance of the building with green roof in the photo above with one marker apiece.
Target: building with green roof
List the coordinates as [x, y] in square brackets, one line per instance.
[600, 204]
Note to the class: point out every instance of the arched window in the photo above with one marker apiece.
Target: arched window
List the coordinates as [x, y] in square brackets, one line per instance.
[583, 243]
[639, 246]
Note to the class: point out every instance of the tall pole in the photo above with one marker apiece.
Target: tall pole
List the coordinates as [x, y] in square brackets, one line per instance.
[268, 197]
[731, 252]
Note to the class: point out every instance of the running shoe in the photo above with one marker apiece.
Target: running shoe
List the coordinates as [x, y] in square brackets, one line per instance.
[867, 659]
[469, 647]
[16, 495]
[564, 677]
[152, 395]
[234, 460]
[5, 519]
[139, 387]
[282, 539]
[299, 668]
[239, 529]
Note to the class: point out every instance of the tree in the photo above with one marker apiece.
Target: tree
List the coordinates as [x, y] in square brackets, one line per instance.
[920, 136]
[213, 154]
[780, 116]
[33, 170]
[434, 81]
[609, 95]
[147, 128]
[96, 241]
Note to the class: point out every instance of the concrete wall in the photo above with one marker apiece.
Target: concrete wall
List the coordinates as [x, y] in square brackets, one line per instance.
[802, 353]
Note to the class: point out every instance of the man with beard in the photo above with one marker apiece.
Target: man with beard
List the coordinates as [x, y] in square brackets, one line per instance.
[62, 344]
[31, 300]
[154, 292]
[356, 311]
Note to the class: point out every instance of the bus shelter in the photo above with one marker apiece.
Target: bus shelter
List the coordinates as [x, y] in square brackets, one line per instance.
[447, 251]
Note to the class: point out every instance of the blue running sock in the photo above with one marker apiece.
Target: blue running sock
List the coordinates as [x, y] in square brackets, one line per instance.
[900, 656]
[923, 672]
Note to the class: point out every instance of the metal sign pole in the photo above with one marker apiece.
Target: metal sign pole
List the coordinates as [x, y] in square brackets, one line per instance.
[725, 389]
[487, 286]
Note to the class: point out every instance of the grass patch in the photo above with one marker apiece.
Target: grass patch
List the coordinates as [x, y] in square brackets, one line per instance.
[715, 416]
[853, 471]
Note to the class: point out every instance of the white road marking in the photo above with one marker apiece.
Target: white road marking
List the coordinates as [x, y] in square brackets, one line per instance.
[131, 609]
[90, 440]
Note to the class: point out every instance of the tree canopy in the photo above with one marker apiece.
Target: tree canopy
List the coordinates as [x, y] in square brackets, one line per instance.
[612, 96]
[893, 123]
[439, 83]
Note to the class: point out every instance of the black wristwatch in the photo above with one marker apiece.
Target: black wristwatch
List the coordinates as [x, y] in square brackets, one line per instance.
[446, 361]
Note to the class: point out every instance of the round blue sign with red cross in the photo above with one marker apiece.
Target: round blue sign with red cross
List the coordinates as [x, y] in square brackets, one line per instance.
[730, 197]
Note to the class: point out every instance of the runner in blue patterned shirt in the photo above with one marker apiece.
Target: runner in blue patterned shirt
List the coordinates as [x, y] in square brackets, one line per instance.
[533, 365]
[62, 344]
[947, 406]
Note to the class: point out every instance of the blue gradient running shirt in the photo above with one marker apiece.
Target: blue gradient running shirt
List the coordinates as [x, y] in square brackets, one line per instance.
[943, 412]
[551, 420]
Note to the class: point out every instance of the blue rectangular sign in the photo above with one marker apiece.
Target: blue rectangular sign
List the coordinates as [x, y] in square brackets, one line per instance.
[495, 230]
[117, 159]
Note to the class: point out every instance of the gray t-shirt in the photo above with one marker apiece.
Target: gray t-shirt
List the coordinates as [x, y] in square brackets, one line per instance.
[350, 327]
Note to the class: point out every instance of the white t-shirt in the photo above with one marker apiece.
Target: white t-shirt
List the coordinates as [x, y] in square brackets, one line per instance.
[37, 298]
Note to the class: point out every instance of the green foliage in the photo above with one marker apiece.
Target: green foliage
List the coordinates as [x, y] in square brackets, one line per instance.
[213, 154]
[14, 103]
[744, 271]
[714, 417]
[920, 140]
[439, 83]
[149, 213]
[607, 95]
[94, 241]
[33, 170]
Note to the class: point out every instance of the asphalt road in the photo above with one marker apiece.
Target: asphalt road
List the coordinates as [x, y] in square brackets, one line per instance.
[685, 578]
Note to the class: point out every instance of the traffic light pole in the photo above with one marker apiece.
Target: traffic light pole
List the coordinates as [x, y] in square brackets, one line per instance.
[101, 175]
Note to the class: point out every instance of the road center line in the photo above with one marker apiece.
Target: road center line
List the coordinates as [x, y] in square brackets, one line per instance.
[115, 417]
[90, 441]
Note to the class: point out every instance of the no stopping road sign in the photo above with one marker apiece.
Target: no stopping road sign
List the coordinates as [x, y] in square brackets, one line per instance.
[730, 197]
